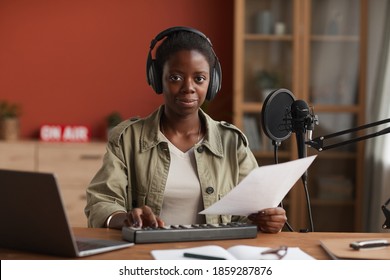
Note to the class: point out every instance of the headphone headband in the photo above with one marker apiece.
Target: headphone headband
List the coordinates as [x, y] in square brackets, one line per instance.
[169, 31]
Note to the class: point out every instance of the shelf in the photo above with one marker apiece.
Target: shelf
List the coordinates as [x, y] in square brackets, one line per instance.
[334, 38]
[270, 155]
[332, 155]
[271, 37]
[255, 107]
[336, 108]
[331, 202]
[252, 107]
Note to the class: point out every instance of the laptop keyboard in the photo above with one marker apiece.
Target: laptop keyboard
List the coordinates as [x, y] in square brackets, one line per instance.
[91, 245]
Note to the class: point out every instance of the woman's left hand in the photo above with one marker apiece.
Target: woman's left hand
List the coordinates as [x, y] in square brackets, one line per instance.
[269, 220]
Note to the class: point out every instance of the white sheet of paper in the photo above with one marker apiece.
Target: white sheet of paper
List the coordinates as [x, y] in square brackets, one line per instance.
[264, 187]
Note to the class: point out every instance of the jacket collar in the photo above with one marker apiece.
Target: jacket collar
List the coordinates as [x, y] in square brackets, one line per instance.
[151, 127]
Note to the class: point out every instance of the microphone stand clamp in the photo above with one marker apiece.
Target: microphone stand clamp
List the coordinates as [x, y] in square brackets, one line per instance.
[386, 212]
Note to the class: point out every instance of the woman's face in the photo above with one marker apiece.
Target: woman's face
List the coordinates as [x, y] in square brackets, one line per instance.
[186, 77]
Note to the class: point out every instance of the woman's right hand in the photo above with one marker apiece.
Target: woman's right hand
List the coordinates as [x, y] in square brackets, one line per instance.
[143, 217]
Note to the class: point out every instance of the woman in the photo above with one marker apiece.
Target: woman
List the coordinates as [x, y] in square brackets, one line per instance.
[167, 167]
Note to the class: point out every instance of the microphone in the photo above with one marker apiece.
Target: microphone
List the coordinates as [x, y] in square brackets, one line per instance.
[302, 123]
[282, 114]
[300, 116]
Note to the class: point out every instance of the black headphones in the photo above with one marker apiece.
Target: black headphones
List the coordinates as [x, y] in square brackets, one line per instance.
[154, 77]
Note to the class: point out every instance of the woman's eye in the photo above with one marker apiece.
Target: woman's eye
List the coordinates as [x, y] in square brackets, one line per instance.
[175, 78]
[200, 79]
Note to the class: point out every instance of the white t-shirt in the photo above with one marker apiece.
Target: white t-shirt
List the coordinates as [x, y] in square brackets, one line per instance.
[182, 197]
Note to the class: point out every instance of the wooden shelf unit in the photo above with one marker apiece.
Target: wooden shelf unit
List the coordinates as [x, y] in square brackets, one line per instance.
[320, 58]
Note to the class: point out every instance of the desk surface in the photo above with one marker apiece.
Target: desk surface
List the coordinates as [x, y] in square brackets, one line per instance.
[308, 242]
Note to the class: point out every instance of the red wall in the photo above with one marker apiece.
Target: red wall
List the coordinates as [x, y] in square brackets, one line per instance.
[75, 61]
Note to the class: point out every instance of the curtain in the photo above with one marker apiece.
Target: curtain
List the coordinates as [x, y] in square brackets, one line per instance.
[377, 157]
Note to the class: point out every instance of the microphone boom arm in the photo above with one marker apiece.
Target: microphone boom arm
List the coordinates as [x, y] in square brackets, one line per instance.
[318, 142]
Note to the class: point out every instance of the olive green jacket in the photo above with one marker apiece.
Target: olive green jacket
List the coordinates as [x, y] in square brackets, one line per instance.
[136, 165]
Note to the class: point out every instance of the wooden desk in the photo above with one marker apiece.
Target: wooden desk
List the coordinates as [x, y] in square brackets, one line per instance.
[308, 242]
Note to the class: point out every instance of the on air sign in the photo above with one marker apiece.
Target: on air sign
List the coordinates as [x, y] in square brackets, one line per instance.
[64, 133]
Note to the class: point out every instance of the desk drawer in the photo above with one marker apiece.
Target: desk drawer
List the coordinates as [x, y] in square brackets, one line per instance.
[20, 155]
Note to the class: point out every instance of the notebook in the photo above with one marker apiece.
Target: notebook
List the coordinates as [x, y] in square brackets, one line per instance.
[33, 218]
[236, 252]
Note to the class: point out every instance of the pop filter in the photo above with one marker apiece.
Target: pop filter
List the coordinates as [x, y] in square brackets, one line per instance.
[276, 115]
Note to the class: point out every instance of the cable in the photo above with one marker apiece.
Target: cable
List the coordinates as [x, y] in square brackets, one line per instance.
[304, 181]
[276, 149]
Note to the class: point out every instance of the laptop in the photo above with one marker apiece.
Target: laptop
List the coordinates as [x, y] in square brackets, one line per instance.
[33, 218]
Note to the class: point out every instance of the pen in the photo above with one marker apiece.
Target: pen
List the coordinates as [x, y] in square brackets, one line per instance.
[369, 244]
[203, 257]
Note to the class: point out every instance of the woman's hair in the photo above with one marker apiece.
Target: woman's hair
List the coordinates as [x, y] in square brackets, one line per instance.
[183, 40]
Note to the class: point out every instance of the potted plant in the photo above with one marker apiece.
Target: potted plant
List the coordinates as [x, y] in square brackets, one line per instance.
[9, 120]
[266, 83]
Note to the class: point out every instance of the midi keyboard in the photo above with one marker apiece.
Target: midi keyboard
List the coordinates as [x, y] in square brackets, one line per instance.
[177, 233]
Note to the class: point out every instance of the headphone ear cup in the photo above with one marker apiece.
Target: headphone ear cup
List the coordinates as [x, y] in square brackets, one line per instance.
[152, 75]
[155, 78]
[215, 82]
[211, 91]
